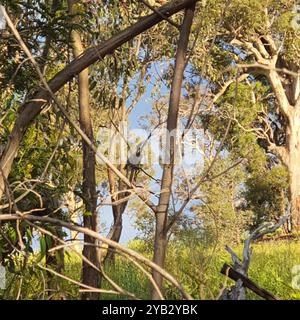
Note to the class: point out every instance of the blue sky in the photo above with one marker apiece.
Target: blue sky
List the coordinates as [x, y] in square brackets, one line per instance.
[143, 107]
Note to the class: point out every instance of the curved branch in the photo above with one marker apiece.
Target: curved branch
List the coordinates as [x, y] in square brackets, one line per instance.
[31, 109]
[127, 251]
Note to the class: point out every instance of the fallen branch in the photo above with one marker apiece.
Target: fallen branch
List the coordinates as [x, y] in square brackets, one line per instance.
[240, 267]
[227, 270]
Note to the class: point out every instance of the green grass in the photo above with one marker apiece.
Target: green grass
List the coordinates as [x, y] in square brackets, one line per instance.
[197, 268]
[270, 268]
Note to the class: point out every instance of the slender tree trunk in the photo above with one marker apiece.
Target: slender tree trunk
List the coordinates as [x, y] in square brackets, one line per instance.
[90, 276]
[118, 187]
[118, 210]
[115, 235]
[161, 239]
[294, 170]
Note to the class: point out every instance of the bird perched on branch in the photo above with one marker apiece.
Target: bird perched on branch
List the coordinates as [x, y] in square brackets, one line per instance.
[133, 166]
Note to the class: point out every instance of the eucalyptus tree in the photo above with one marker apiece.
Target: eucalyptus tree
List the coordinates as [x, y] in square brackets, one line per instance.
[37, 96]
[35, 184]
[252, 74]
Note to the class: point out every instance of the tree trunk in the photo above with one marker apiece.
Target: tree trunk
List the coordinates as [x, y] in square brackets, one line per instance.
[116, 187]
[115, 234]
[90, 276]
[160, 249]
[160, 242]
[294, 170]
[118, 211]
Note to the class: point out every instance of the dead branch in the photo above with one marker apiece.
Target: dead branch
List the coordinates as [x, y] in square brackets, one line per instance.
[241, 267]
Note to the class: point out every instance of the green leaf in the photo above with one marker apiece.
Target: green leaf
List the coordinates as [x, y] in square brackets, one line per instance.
[12, 235]
[43, 246]
[58, 257]
[48, 241]
[29, 234]
[88, 214]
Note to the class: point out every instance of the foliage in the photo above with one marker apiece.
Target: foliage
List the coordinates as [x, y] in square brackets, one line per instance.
[243, 181]
[199, 271]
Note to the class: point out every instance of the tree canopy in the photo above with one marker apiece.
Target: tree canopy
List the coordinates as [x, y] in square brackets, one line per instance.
[180, 118]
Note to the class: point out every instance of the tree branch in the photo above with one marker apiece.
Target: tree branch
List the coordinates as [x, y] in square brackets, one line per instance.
[30, 110]
[119, 247]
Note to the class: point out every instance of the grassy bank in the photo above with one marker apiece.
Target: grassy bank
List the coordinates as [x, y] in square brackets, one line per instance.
[196, 267]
